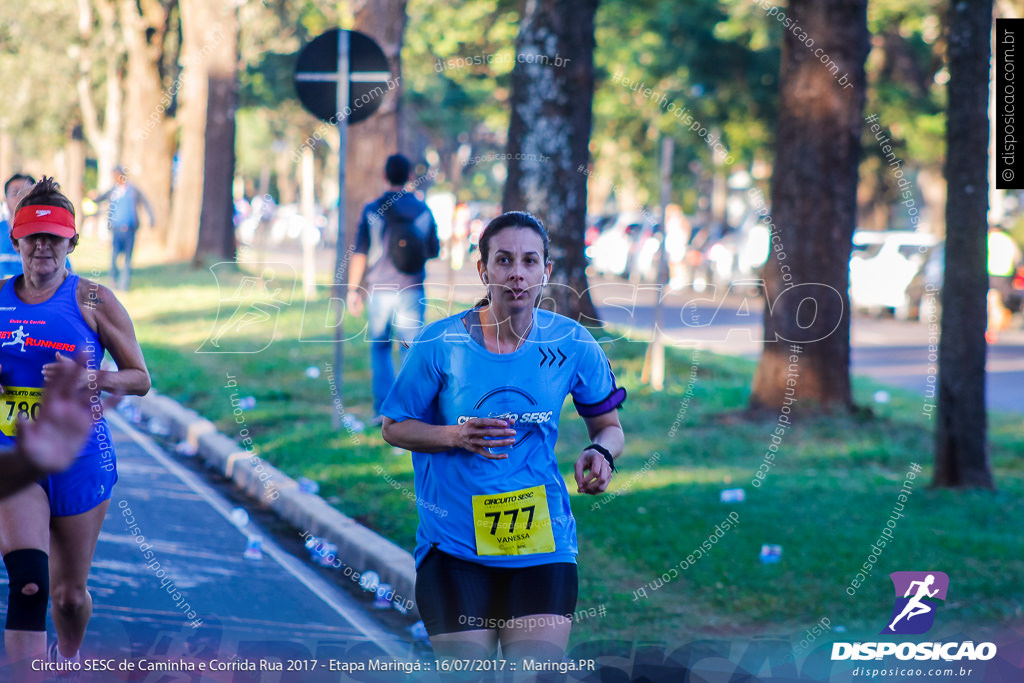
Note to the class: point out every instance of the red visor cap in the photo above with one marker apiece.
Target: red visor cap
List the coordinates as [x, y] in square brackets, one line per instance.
[54, 220]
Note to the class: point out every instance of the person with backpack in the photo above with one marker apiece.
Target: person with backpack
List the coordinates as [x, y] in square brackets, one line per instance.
[396, 237]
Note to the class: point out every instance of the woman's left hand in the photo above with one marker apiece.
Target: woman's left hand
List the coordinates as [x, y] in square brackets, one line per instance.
[63, 368]
[600, 472]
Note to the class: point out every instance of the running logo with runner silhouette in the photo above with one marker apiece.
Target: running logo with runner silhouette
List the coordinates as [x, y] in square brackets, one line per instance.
[19, 338]
[916, 596]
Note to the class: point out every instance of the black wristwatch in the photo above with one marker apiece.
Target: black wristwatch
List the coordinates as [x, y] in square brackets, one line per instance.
[603, 451]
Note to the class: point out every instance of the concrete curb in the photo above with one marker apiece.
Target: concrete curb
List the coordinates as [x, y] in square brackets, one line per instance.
[358, 546]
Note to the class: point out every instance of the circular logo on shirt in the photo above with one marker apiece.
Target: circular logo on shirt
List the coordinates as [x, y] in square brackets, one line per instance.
[503, 403]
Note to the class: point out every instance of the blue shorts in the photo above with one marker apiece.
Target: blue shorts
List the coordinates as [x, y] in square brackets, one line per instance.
[83, 486]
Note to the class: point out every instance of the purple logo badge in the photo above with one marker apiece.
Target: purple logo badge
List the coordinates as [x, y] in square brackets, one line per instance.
[917, 594]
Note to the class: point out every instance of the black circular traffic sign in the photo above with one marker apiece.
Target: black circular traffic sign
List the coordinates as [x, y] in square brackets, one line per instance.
[316, 77]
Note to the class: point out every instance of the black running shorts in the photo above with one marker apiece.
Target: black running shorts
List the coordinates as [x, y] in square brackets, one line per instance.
[458, 595]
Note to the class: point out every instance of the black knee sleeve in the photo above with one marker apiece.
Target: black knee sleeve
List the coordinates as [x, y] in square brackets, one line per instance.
[24, 567]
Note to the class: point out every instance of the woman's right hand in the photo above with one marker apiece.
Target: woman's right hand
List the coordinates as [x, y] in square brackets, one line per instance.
[479, 434]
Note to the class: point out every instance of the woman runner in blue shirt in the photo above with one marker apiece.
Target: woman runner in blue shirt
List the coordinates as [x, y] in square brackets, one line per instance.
[48, 532]
[477, 402]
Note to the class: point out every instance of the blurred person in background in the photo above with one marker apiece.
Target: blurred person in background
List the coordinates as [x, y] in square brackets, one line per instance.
[1003, 257]
[14, 189]
[397, 236]
[123, 221]
[677, 243]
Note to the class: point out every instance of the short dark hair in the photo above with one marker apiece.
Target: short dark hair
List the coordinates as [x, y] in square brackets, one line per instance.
[47, 193]
[512, 219]
[397, 169]
[15, 178]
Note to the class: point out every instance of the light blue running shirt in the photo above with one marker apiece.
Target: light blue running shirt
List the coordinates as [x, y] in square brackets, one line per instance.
[447, 378]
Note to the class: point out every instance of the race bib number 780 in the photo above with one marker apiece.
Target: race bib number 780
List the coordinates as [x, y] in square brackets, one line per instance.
[18, 402]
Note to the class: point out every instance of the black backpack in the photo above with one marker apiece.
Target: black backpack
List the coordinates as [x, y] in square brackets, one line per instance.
[407, 248]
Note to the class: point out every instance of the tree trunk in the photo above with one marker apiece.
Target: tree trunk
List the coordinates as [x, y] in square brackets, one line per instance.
[286, 170]
[216, 225]
[961, 453]
[814, 209]
[74, 166]
[933, 190]
[6, 156]
[203, 27]
[548, 138]
[149, 128]
[105, 138]
[371, 141]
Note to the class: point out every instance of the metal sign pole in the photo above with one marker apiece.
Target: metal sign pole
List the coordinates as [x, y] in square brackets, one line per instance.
[321, 64]
[656, 351]
[340, 265]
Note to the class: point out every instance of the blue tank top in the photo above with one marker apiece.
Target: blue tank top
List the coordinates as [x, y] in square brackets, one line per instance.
[30, 337]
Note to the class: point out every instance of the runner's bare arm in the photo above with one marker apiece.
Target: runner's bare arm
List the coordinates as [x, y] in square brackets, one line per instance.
[475, 436]
[107, 316]
[604, 430]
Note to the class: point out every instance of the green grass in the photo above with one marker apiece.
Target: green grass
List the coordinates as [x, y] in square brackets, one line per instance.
[835, 481]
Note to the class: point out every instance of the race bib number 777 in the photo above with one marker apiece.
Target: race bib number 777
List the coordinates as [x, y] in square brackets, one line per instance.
[513, 523]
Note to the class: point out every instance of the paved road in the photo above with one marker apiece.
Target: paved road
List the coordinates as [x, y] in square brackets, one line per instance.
[894, 352]
[263, 611]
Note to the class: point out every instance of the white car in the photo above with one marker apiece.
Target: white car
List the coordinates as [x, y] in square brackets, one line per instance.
[628, 248]
[883, 265]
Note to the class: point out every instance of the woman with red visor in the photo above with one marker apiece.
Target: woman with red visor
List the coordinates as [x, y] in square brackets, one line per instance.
[49, 530]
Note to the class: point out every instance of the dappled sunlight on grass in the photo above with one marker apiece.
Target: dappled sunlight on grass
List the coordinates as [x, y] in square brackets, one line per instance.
[659, 476]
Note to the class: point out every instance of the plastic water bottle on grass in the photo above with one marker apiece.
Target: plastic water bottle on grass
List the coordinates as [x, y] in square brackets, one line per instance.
[158, 427]
[369, 581]
[185, 449]
[771, 554]
[384, 595]
[349, 421]
[239, 517]
[419, 631]
[732, 496]
[327, 556]
[130, 409]
[253, 548]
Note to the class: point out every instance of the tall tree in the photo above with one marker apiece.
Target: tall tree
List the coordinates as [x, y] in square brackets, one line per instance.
[373, 139]
[549, 135]
[216, 222]
[814, 206]
[961, 452]
[204, 26]
[101, 126]
[149, 127]
[456, 104]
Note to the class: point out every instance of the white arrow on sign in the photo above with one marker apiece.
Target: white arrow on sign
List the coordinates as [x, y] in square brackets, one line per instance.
[354, 77]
